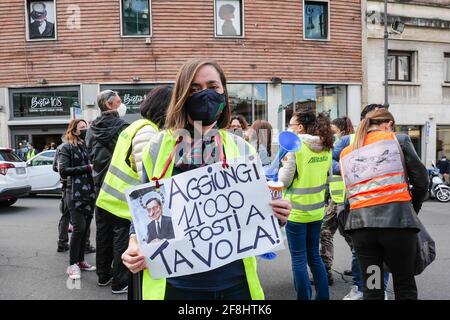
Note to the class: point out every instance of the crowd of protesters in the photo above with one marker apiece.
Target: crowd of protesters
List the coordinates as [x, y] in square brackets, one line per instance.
[377, 214]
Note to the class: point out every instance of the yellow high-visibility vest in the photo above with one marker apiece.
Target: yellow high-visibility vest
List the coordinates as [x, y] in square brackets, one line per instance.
[307, 191]
[120, 175]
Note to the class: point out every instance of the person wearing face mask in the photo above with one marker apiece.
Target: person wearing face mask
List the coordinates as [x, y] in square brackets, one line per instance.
[378, 169]
[444, 168]
[74, 166]
[305, 174]
[112, 231]
[199, 103]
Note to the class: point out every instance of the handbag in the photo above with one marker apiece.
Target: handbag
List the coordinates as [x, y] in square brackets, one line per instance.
[426, 250]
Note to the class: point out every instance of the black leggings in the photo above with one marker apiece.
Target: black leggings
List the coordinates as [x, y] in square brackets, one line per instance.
[394, 247]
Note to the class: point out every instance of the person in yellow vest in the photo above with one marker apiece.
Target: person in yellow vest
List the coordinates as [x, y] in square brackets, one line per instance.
[378, 169]
[126, 165]
[305, 175]
[31, 151]
[199, 102]
[341, 127]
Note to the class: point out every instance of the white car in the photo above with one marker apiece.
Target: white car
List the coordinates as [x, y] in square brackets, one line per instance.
[14, 182]
[41, 175]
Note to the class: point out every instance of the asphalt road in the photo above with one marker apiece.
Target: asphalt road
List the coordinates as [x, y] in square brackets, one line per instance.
[30, 267]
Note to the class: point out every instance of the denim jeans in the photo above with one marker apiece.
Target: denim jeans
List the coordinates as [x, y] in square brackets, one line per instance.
[237, 292]
[303, 240]
[356, 274]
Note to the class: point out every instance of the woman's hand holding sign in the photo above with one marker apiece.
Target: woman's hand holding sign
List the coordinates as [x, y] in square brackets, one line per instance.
[132, 257]
[281, 210]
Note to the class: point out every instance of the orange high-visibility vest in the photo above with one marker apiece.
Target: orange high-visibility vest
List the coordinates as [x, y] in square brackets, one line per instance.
[374, 174]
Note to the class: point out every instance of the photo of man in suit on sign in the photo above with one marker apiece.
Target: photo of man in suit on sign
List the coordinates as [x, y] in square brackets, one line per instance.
[40, 26]
[161, 226]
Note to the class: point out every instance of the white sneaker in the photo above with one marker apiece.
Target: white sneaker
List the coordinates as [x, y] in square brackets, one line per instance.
[386, 296]
[74, 272]
[354, 294]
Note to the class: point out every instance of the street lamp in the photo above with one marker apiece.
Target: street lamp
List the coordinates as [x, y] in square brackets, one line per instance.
[397, 28]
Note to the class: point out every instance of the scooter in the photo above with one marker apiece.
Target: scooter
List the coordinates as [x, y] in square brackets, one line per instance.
[438, 189]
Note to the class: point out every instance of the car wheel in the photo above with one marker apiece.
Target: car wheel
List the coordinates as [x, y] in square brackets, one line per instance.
[443, 195]
[8, 202]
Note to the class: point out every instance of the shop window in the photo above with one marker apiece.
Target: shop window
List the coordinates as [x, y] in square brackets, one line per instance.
[136, 18]
[442, 142]
[415, 134]
[44, 102]
[315, 20]
[447, 66]
[40, 20]
[400, 65]
[248, 100]
[329, 99]
[229, 20]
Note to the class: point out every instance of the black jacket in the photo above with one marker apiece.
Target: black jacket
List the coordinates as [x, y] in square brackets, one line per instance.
[101, 139]
[397, 214]
[73, 166]
[166, 230]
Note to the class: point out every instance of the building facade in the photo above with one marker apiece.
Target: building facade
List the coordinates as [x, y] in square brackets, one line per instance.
[419, 70]
[278, 56]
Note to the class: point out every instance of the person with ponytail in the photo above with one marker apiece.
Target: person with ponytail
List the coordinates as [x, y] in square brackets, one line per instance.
[76, 169]
[378, 169]
[305, 174]
[342, 127]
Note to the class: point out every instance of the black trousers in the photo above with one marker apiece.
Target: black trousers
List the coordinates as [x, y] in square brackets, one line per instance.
[63, 225]
[112, 240]
[394, 247]
[81, 223]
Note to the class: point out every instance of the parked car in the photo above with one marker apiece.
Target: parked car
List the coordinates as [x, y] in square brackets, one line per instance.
[14, 182]
[41, 175]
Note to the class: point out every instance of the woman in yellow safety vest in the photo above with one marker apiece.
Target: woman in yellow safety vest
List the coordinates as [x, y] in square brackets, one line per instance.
[305, 173]
[200, 98]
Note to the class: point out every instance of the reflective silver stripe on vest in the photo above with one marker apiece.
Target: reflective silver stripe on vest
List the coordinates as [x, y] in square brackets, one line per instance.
[302, 191]
[376, 195]
[113, 192]
[308, 207]
[337, 192]
[376, 183]
[123, 176]
[335, 179]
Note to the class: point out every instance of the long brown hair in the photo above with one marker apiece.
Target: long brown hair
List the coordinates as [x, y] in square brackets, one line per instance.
[177, 117]
[316, 125]
[71, 129]
[263, 131]
[375, 117]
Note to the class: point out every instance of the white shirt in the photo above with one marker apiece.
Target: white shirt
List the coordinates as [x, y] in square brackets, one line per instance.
[156, 225]
[42, 27]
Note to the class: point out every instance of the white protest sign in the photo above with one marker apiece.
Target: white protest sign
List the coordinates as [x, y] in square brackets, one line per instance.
[217, 215]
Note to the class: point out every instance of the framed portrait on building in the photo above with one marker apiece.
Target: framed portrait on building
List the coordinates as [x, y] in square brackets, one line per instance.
[228, 18]
[41, 20]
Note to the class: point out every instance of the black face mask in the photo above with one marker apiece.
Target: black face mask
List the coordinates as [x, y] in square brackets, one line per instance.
[205, 106]
[83, 134]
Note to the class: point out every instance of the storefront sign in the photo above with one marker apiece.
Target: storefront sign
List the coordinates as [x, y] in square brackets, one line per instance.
[131, 95]
[45, 102]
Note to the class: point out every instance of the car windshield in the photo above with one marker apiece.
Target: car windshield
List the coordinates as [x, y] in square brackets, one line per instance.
[7, 155]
